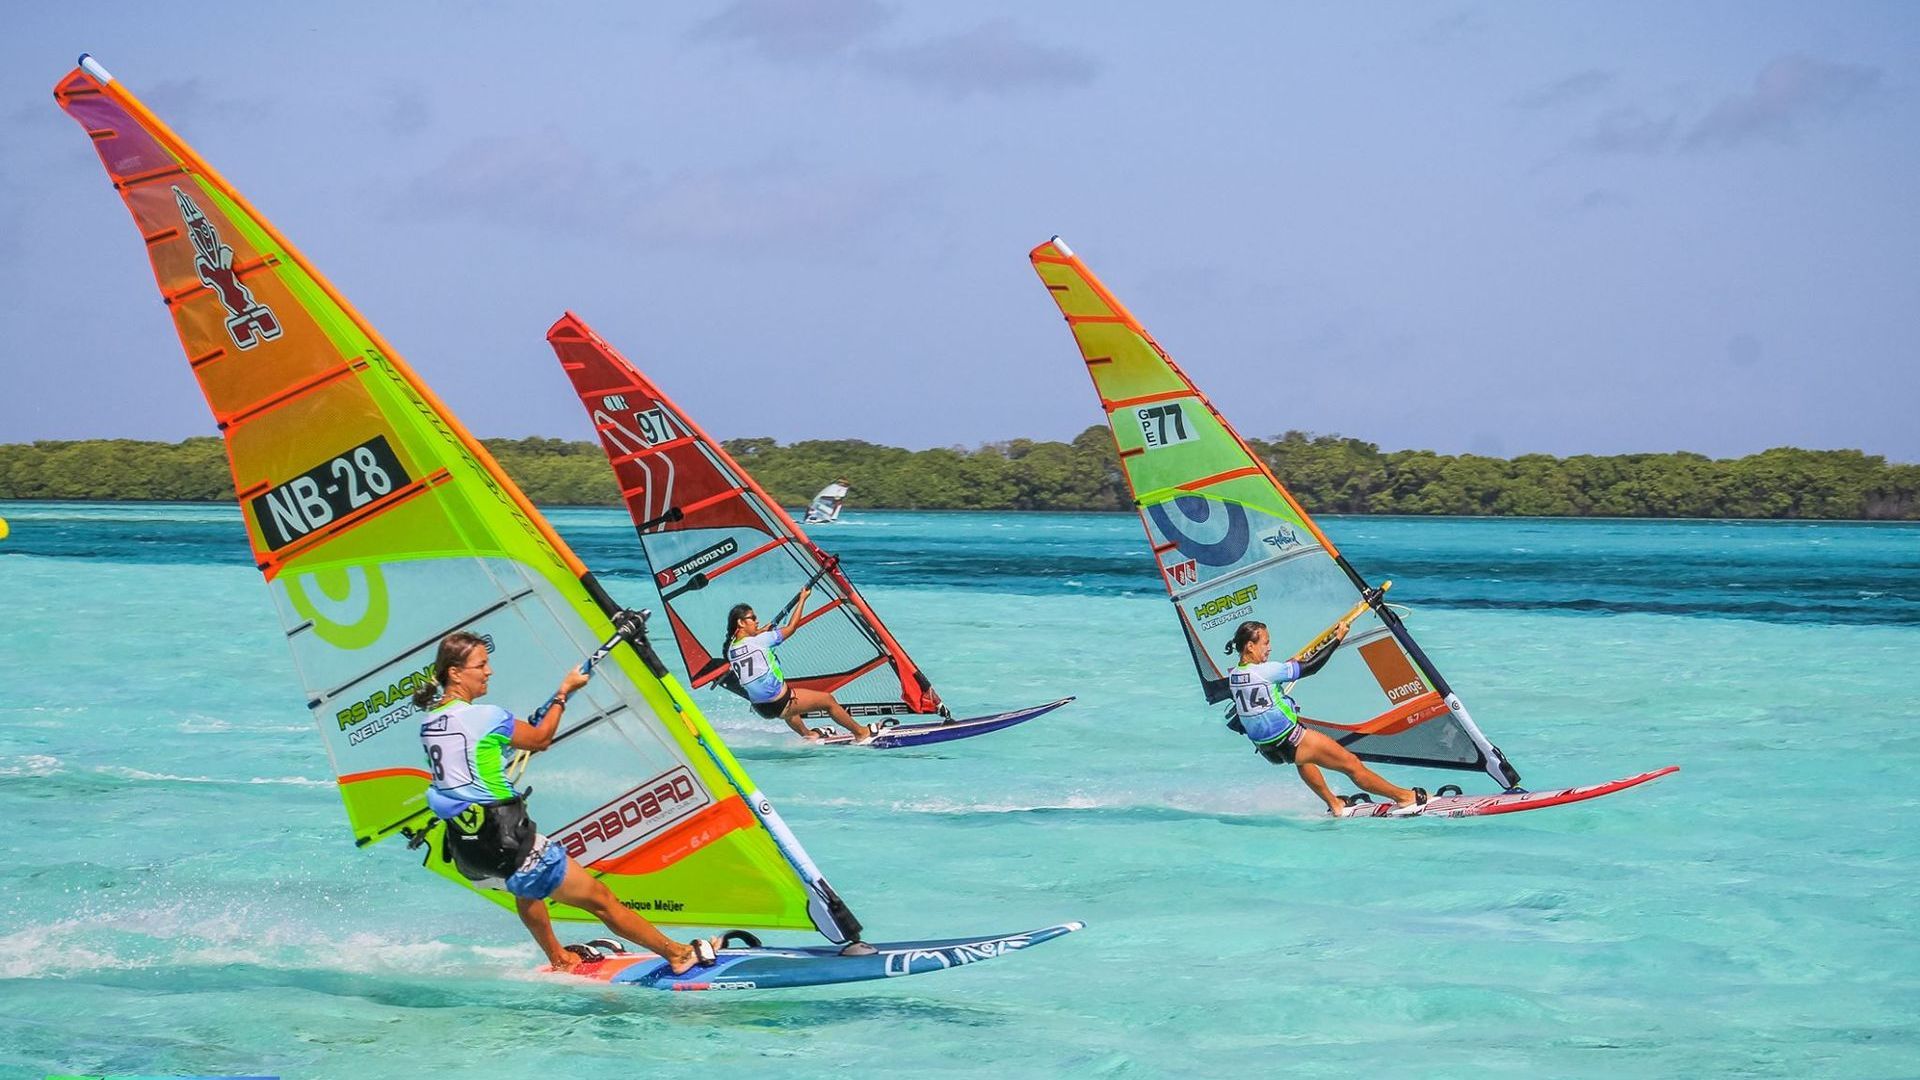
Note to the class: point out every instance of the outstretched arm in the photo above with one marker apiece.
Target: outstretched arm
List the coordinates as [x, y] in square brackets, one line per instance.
[1317, 658]
[799, 609]
[537, 736]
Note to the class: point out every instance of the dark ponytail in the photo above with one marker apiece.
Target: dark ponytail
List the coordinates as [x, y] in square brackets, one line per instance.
[1243, 636]
[454, 650]
[734, 615]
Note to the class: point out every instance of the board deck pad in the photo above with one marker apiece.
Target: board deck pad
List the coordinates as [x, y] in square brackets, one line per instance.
[1510, 802]
[903, 735]
[772, 968]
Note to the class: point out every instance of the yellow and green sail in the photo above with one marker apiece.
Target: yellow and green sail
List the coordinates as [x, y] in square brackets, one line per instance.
[1233, 545]
[381, 525]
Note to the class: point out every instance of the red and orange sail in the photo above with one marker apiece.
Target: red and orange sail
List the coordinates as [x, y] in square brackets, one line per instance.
[714, 538]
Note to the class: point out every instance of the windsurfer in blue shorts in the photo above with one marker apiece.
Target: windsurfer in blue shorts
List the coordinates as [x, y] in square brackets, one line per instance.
[1264, 714]
[749, 651]
[489, 837]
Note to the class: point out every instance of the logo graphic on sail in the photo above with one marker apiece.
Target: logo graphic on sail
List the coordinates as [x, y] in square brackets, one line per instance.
[250, 322]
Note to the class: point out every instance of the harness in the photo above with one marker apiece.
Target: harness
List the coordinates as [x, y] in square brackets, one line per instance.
[489, 840]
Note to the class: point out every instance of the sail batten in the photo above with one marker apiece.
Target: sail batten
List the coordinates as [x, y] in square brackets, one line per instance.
[380, 524]
[1233, 545]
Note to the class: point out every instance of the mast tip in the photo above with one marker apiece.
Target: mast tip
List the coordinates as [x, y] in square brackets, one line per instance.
[93, 68]
[1062, 245]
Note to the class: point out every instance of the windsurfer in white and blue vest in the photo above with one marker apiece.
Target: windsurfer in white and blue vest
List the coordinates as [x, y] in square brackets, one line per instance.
[488, 837]
[1264, 714]
[749, 652]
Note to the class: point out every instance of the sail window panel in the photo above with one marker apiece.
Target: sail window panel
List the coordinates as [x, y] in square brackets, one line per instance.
[1437, 745]
[827, 651]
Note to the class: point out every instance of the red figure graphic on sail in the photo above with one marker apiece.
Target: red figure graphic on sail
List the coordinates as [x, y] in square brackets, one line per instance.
[252, 322]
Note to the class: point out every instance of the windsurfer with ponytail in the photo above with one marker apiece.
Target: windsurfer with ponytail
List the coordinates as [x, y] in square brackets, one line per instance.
[749, 651]
[1264, 714]
[489, 838]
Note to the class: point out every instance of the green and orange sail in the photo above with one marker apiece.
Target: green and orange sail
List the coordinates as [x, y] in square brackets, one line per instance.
[1232, 545]
[381, 525]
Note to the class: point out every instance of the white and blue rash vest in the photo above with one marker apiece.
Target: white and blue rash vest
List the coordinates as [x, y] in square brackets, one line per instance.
[755, 665]
[1263, 710]
[467, 749]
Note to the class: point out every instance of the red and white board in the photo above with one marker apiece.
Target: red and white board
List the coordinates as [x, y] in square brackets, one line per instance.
[1510, 803]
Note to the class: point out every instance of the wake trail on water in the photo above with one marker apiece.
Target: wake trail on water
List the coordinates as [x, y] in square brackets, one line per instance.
[216, 932]
[1253, 806]
[47, 773]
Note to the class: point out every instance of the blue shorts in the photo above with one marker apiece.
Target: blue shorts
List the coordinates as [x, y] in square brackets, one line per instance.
[542, 874]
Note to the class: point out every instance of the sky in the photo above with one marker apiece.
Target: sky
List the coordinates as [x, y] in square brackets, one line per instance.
[1492, 228]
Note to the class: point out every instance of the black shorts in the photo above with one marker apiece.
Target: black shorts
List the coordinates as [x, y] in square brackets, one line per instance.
[1281, 750]
[776, 708]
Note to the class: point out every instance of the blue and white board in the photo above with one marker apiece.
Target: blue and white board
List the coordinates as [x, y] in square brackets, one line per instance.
[775, 968]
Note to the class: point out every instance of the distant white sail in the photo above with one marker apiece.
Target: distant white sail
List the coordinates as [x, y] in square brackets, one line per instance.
[826, 505]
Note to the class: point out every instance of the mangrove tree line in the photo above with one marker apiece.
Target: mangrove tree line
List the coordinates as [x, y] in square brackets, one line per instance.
[1329, 474]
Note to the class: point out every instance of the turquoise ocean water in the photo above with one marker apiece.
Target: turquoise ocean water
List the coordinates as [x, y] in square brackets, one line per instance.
[180, 893]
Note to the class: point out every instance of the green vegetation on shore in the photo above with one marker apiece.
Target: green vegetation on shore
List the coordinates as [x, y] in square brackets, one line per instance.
[1327, 473]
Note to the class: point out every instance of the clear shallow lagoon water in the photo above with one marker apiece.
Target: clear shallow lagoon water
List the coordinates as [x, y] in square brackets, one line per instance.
[180, 893]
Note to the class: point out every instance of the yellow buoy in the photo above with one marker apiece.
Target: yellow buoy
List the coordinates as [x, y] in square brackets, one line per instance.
[3, 528]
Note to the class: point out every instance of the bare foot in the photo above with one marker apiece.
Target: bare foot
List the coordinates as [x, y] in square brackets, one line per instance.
[1337, 809]
[564, 960]
[863, 734]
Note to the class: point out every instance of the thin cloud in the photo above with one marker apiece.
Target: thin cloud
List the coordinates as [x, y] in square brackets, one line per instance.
[188, 104]
[990, 59]
[1628, 130]
[790, 30]
[771, 204]
[542, 180]
[546, 182]
[1579, 85]
[1599, 200]
[403, 108]
[1460, 24]
[1789, 93]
